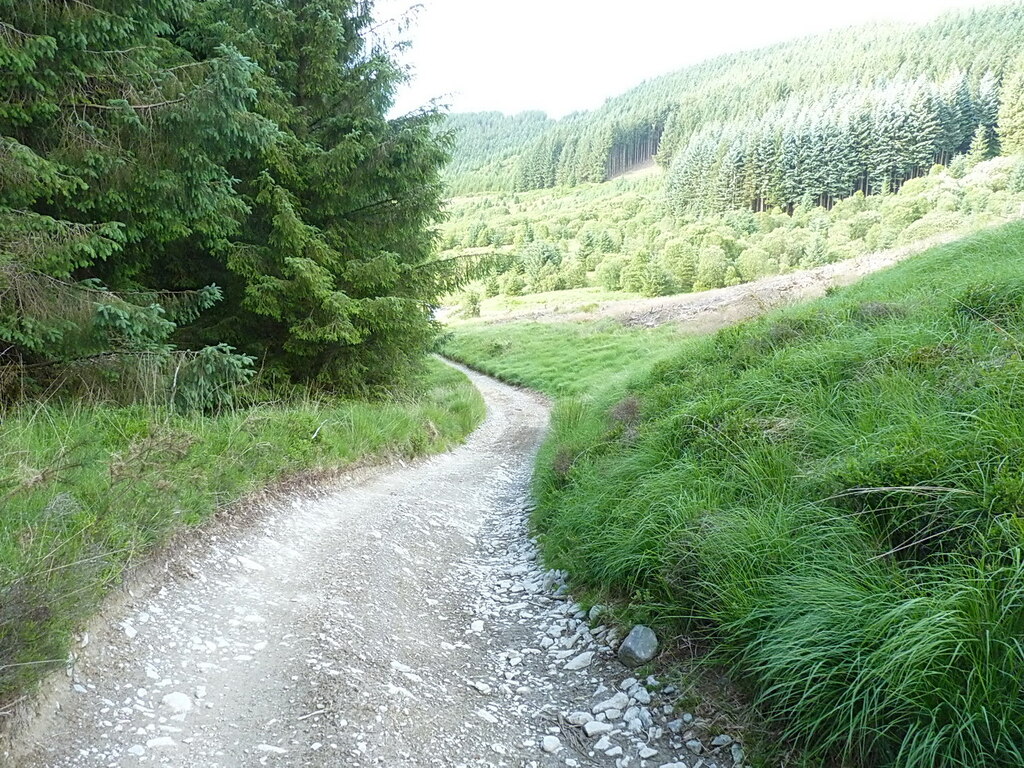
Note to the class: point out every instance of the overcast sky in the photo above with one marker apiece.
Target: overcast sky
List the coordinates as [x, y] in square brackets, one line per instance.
[564, 55]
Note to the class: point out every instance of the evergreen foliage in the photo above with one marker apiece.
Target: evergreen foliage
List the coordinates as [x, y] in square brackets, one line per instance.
[486, 146]
[1011, 111]
[854, 140]
[177, 175]
[862, 109]
[617, 236]
[99, 179]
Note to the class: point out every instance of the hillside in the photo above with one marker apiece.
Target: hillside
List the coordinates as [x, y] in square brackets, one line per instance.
[861, 92]
[618, 239]
[822, 501]
[487, 145]
[828, 499]
[845, 144]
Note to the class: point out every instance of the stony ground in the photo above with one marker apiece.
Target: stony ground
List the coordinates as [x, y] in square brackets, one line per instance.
[402, 619]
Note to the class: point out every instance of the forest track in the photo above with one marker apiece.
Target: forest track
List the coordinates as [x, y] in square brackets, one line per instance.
[400, 618]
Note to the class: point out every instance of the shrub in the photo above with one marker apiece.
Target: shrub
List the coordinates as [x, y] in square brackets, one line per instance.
[470, 304]
[609, 273]
[712, 265]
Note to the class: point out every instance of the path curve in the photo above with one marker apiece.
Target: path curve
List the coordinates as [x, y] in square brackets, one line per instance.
[401, 619]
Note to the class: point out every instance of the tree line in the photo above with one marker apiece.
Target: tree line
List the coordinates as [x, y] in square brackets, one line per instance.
[666, 113]
[191, 188]
[854, 140]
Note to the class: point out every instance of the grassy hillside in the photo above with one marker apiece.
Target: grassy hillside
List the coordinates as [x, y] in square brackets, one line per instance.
[560, 359]
[617, 236]
[88, 490]
[830, 495]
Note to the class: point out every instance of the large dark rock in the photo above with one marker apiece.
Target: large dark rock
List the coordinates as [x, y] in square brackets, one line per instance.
[639, 647]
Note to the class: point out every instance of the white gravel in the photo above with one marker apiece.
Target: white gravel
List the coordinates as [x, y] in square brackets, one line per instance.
[402, 619]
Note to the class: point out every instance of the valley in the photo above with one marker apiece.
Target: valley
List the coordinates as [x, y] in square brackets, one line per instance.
[720, 465]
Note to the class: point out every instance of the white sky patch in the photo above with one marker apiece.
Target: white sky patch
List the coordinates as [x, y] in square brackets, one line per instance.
[560, 56]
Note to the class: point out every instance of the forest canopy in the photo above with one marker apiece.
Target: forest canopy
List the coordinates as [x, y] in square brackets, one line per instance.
[187, 188]
[819, 118]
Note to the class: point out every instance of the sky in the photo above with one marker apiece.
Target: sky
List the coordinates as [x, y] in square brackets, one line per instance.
[560, 56]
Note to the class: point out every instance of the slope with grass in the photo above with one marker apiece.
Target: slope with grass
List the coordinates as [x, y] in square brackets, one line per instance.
[560, 359]
[618, 236]
[88, 490]
[830, 495]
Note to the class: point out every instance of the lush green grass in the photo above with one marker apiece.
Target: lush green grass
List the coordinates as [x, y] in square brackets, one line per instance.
[570, 300]
[562, 359]
[833, 494]
[87, 490]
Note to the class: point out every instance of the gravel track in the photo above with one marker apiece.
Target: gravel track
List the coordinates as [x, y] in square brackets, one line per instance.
[399, 619]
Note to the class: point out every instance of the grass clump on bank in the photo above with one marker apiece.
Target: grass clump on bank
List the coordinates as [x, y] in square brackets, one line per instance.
[833, 495]
[87, 490]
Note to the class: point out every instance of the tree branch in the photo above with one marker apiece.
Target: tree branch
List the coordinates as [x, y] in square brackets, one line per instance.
[369, 207]
[137, 107]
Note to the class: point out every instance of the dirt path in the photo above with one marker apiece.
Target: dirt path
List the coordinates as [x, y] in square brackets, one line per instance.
[401, 619]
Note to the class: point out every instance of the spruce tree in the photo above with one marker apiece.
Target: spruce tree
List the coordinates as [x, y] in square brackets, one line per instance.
[982, 145]
[926, 128]
[101, 179]
[986, 107]
[332, 278]
[1011, 112]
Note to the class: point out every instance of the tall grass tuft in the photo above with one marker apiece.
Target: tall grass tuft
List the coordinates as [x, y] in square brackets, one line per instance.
[833, 495]
[88, 489]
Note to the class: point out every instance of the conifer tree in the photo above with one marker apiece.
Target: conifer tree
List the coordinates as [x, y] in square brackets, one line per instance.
[982, 145]
[1011, 112]
[332, 278]
[100, 181]
[926, 128]
[986, 107]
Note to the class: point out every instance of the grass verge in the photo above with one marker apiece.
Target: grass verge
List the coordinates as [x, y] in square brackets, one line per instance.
[88, 490]
[562, 359]
[832, 495]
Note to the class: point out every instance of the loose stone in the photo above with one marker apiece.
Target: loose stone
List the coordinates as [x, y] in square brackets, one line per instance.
[596, 727]
[580, 662]
[579, 718]
[639, 647]
[738, 755]
[179, 703]
[619, 702]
